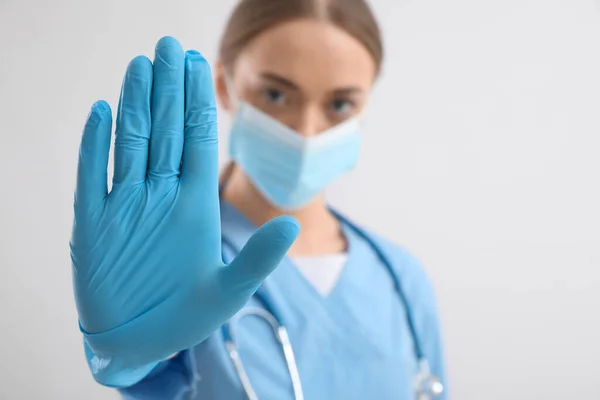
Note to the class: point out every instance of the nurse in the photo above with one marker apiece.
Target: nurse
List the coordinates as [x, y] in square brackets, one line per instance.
[180, 294]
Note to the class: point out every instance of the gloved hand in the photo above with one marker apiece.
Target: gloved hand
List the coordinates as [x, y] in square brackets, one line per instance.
[148, 275]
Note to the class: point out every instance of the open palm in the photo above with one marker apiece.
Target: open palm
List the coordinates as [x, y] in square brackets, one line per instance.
[147, 269]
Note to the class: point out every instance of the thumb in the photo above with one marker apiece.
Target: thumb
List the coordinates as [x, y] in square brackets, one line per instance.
[261, 255]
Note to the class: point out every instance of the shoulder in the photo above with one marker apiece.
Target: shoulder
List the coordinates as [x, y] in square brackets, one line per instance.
[406, 265]
[420, 298]
[415, 283]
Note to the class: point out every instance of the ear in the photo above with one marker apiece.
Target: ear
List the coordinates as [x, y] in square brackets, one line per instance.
[221, 87]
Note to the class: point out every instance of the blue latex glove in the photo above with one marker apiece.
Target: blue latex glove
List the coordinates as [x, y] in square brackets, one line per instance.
[147, 270]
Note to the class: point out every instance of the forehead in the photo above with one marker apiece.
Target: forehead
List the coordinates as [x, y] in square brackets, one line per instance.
[313, 54]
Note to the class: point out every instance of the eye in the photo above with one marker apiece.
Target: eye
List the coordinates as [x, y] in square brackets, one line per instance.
[342, 106]
[274, 96]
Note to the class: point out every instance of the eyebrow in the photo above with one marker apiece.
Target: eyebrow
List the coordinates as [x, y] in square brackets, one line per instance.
[280, 79]
[293, 86]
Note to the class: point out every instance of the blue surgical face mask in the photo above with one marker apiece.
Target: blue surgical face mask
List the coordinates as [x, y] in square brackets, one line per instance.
[289, 169]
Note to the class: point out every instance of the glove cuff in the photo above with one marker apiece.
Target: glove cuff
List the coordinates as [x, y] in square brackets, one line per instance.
[114, 371]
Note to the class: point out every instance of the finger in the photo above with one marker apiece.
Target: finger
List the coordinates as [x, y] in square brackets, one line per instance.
[133, 123]
[166, 138]
[260, 256]
[200, 153]
[93, 158]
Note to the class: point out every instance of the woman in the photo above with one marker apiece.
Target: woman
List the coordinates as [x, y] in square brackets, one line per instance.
[166, 265]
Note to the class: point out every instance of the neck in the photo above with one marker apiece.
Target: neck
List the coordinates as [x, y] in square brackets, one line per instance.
[320, 231]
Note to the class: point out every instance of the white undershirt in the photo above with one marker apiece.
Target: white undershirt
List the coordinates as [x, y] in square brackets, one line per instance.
[323, 271]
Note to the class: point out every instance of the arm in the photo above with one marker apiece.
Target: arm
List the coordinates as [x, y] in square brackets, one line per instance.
[174, 378]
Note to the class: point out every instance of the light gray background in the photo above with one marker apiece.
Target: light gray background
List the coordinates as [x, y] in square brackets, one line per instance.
[481, 156]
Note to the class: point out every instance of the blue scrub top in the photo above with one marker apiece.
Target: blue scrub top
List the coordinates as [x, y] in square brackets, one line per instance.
[353, 344]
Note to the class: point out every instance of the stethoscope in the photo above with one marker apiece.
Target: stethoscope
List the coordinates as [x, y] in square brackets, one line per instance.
[427, 385]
